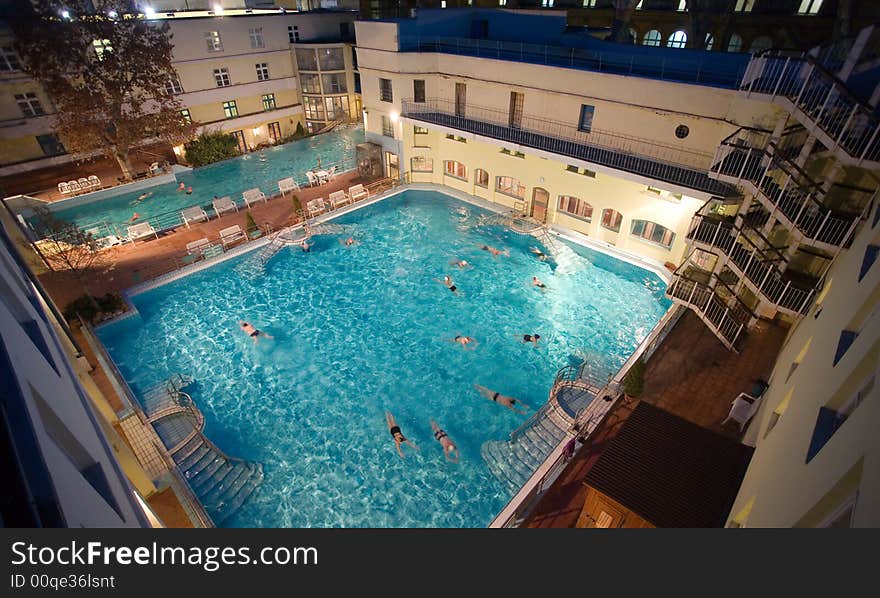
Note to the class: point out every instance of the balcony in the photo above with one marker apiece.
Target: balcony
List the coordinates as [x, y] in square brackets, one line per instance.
[749, 157]
[820, 101]
[629, 154]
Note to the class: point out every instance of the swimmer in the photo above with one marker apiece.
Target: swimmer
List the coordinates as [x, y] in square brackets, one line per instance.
[493, 251]
[348, 242]
[142, 197]
[449, 448]
[182, 187]
[464, 341]
[189, 190]
[461, 264]
[501, 399]
[396, 434]
[253, 332]
[134, 217]
[538, 253]
[447, 282]
[307, 247]
[538, 283]
[531, 338]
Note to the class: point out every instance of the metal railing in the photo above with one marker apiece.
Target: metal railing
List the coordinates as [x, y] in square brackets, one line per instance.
[631, 154]
[726, 321]
[812, 90]
[688, 68]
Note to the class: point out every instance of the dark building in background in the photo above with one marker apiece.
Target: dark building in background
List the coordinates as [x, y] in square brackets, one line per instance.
[717, 25]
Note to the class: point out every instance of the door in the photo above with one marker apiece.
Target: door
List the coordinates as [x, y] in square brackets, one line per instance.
[516, 110]
[540, 199]
[275, 132]
[392, 165]
[239, 138]
[460, 99]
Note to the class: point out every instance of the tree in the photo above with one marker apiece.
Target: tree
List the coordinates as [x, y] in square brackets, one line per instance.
[65, 246]
[110, 77]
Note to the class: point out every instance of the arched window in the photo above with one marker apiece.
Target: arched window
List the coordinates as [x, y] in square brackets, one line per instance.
[455, 169]
[761, 43]
[510, 186]
[652, 38]
[678, 39]
[575, 207]
[652, 232]
[481, 178]
[710, 41]
[735, 44]
[611, 220]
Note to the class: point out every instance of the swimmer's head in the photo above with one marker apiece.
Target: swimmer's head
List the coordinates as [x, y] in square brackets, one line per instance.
[463, 262]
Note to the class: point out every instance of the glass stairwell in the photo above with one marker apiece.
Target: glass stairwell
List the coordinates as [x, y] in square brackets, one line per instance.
[221, 483]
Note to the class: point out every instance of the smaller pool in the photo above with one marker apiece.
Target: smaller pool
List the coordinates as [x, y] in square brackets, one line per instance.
[261, 169]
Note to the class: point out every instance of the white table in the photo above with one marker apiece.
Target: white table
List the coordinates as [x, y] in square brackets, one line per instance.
[322, 175]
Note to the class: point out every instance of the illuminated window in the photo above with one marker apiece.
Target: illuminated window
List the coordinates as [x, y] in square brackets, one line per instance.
[186, 115]
[455, 169]
[652, 38]
[230, 110]
[268, 101]
[589, 3]
[678, 39]
[481, 178]
[611, 220]
[510, 186]
[744, 5]
[212, 40]
[710, 41]
[101, 47]
[809, 7]
[421, 164]
[417, 130]
[574, 206]
[735, 44]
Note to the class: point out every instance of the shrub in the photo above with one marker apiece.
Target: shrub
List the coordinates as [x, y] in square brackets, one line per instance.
[297, 204]
[634, 381]
[300, 131]
[249, 223]
[93, 309]
[211, 147]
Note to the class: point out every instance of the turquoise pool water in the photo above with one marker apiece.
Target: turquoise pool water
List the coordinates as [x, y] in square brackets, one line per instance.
[363, 329]
[259, 169]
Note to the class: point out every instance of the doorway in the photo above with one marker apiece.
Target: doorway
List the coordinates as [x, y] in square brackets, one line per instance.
[460, 99]
[516, 110]
[239, 139]
[392, 165]
[274, 132]
[540, 199]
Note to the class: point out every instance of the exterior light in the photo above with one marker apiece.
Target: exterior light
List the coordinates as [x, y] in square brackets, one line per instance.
[218, 9]
[394, 116]
[65, 14]
[177, 150]
[112, 14]
[256, 130]
[149, 12]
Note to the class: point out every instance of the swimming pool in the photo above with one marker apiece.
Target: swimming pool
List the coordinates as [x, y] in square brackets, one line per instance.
[261, 169]
[358, 330]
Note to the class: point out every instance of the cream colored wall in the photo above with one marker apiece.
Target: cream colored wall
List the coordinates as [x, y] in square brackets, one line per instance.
[605, 191]
[16, 150]
[785, 489]
[197, 76]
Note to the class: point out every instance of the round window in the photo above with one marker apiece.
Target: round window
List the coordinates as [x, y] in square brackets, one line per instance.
[681, 131]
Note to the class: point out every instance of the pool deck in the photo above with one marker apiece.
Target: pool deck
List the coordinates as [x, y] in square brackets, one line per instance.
[692, 375]
[134, 263]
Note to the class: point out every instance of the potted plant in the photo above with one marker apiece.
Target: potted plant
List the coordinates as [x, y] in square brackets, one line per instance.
[634, 381]
[250, 226]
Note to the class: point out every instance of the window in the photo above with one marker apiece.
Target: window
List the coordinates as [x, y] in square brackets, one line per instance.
[510, 186]
[744, 5]
[547, 3]
[678, 39]
[589, 4]
[256, 35]
[212, 40]
[869, 259]
[310, 83]
[385, 93]
[387, 127]
[186, 115]
[639, 5]
[735, 44]
[419, 90]
[51, 145]
[455, 169]
[331, 59]
[417, 130]
[262, 71]
[306, 59]
[314, 108]
[652, 38]
[337, 108]
[761, 43]
[652, 232]
[682, 131]
[502, 2]
[456, 138]
[481, 178]
[268, 101]
[442, 3]
[101, 47]
[709, 42]
[230, 110]
[682, 5]
[585, 123]
[575, 207]
[809, 7]
[515, 154]
[335, 83]
[611, 220]
[173, 86]
[421, 164]
[29, 104]
[293, 33]
[221, 77]
[9, 59]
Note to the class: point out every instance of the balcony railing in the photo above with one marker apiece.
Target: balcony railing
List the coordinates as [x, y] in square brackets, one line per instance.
[759, 266]
[726, 321]
[783, 186]
[686, 68]
[630, 154]
[818, 94]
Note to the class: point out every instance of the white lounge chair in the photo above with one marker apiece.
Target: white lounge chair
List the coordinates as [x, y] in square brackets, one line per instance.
[102, 241]
[745, 405]
[94, 181]
[143, 229]
[224, 204]
[231, 234]
[193, 214]
[288, 184]
[313, 178]
[315, 207]
[84, 183]
[338, 198]
[331, 174]
[73, 186]
[357, 192]
[196, 247]
[154, 167]
[252, 196]
[63, 188]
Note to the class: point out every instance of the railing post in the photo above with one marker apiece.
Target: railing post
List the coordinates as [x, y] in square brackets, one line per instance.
[776, 88]
[821, 226]
[846, 124]
[804, 85]
[715, 236]
[869, 144]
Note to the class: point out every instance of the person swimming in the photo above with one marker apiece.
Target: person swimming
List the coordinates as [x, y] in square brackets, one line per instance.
[538, 253]
[531, 338]
[464, 341]
[253, 332]
[182, 187]
[497, 397]
[142, 197]
[450, 451]
[134, 217]
[447, 281]
[397, 435]
[189, 190]
[460, 263]
[538, 283]
[348, 242]
[493, 251]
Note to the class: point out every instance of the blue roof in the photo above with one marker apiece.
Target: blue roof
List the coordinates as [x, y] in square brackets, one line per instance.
[543, 39]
